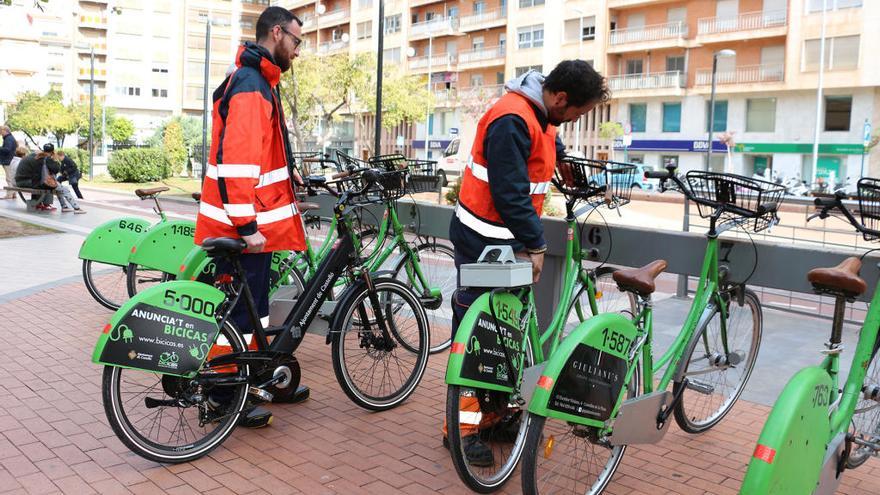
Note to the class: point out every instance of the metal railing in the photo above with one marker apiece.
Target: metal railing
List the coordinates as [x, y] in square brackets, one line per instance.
[655, 32]
[742, 22]
[743, 74]
[436, 25]
[473, 20]
[655, 80]
[481, 54]
[327, 19]
[444, 60]
[332, 46]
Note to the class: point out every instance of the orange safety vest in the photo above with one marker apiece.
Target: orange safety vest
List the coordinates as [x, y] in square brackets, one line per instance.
[475, 208]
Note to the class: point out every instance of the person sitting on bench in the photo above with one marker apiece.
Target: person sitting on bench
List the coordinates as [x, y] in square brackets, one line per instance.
[30, 174]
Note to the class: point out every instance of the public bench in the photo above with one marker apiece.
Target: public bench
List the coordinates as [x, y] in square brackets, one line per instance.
[25, 193]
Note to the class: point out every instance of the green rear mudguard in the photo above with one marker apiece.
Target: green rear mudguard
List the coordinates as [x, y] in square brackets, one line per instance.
[165, 246]
[111, 242]
[584, 380]
[197, 266]
[791, 449]
[477, 357]
[168, 328]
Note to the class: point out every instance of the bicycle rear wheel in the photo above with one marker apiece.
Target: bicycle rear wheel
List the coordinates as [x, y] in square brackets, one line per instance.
[437, 264]
[170, 419]
[866, 419]
[139, 278]
[379, 371]
[717, 378]
[106, 283]
[609, 299]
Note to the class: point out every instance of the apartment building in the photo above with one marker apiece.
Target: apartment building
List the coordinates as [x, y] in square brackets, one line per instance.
[659, 62]
[466, 50]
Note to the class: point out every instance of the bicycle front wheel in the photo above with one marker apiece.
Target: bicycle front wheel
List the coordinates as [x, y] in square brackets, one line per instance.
[139, 278]
[866, 418]
[717, 364]
[437, 265]
[170, 419]
[379, 369]
[106, 283]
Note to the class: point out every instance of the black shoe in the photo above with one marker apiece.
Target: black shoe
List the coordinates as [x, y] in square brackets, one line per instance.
[478, 453]
[289, 396]
[255, 417]
[505, 431]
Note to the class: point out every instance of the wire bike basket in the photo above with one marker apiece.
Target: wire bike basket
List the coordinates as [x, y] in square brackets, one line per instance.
[869, 207]
[742, 198]
[388, 186]
[595, 181]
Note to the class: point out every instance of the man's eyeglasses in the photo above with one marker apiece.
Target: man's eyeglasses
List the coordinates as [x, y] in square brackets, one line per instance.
[296, 39]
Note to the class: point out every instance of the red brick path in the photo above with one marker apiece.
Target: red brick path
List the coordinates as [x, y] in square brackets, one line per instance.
[54, 437]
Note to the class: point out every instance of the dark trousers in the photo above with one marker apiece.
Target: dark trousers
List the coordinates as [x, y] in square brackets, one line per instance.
[256, 267]
[74, 184]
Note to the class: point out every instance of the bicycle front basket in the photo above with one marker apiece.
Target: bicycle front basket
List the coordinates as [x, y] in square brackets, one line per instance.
[739, 196]
[869, 207]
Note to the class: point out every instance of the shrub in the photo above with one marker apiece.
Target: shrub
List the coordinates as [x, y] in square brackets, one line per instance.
[138, 165]
[174, 147]
[451, 195]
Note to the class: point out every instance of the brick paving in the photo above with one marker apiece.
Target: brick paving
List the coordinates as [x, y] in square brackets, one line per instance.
[54, 437]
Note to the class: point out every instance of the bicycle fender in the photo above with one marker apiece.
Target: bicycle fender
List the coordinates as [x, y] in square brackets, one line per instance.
[197, 266]
[351, 291]
[168, 328]
[165, 246]
[584, 381]
[791, 449]
[477, 357]
[111, 242]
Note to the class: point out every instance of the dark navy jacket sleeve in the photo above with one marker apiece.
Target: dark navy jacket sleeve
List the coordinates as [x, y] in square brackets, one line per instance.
[507, 146]
[560, 148]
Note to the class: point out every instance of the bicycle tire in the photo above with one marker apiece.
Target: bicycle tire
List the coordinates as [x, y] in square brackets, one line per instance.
[110, 293]
[531, 463]
[866, 418]
[446, 280]
[612, 299]
[125, 429]
[135, 285]
[686, 420]
[376, 346]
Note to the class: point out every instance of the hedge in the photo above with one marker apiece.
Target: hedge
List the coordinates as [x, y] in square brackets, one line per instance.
[138, 165]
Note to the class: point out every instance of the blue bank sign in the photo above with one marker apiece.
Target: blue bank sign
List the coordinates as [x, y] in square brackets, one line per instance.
[698, 146]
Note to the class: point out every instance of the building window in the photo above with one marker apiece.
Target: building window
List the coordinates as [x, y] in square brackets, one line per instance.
[365, 30]
[838, 113]
[128, 91]
[365, 4]
[522, 70]
[160, 93]
[638, 116]
[524, 4]
[415, 18]
[674, 64]
[160, 69]
[476, 79]
[391, 56]
[841, 52]
[573, 31]
[816, 5]
[479, 7]
[761, 115]
[392, 24]
[531, 36]
[634, 66]
[478, 43]
[672, 117]
[720, 116]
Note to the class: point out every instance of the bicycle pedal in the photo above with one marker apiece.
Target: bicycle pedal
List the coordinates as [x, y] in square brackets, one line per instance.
[260, 394]
[701, 387]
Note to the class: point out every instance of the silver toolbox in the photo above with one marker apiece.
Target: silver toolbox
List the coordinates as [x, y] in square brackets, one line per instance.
[497, 267]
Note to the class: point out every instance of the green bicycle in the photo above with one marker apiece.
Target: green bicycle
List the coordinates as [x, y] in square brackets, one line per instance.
[499, 337]
[816, 430]
[585, 406]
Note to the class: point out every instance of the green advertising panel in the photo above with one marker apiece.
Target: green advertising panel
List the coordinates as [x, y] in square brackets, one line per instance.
[111, 242]
[168, 328]
[478, 350]
[165, 246]
[584, 380]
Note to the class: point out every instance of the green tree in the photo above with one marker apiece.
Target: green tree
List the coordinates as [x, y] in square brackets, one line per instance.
[404, 98]
[26, 115]
[120, 129]
[81, 113]
[174, 147]
[610, 130]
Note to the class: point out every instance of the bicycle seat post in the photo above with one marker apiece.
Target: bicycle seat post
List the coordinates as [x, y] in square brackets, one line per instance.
[837, 324]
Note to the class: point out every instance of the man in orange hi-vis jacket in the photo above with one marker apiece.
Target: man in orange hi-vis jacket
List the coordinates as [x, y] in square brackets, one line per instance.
[248, 191]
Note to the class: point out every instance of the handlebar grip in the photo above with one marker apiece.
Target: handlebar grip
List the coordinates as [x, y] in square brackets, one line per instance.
[825, 202]
[658, 174]
[768, 207]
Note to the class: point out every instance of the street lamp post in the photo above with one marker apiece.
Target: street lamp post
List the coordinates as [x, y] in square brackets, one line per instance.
[819, 89]
[92, 113]
[205, 97]
[577, 129]
[428, 113]
[722, 53]
[379, 50]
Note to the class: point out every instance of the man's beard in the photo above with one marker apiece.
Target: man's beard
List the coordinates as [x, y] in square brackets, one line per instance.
[282, 61]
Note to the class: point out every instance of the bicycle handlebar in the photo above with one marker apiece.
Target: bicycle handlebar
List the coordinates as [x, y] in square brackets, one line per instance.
[658, 174]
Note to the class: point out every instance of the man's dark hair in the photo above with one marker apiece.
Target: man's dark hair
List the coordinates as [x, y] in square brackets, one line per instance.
[580, 82]
[274, 16]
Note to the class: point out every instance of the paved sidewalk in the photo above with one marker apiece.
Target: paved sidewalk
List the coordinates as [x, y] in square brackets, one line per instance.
[54, 437]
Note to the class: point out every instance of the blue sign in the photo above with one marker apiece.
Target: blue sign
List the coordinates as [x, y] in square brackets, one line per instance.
[697, 146]
[453, 131]
[867, 133]
[434, 144]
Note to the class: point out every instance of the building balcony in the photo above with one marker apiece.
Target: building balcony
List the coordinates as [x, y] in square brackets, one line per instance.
[747, 74]
[744, 26]
[435, 63]
[445, 98]
[621, 4]
[481, 93]
[329, 47]
[100, 73]
[661, 83]
[101, 2]
[434, 28]
[483, 20]
[482, 57]
[670, 34]
[312, 22]
[93, 22]
[85, 47]
[419, 3]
